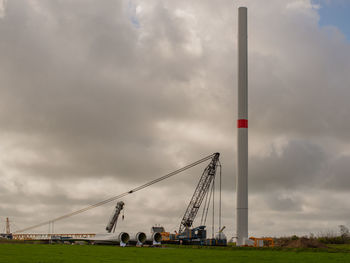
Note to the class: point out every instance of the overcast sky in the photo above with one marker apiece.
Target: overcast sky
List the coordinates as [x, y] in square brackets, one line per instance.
[97, 97]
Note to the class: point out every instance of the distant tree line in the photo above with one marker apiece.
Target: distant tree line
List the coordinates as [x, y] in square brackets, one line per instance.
[342, 238]
[330, 237]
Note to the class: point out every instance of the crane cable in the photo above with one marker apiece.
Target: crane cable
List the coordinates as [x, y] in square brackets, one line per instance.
[118, 196]
[220, 188]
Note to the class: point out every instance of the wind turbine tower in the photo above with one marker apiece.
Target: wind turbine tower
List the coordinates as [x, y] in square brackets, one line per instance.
[242, 131]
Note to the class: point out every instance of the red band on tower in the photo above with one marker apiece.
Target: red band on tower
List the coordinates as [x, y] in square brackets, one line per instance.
[242, 123]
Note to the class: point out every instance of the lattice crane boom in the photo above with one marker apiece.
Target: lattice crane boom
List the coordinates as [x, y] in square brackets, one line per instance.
[200, 192]
[112, 223]
[113, 198]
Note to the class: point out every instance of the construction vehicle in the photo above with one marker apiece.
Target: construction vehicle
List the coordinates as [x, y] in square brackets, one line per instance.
[197, 235]
[193, 236]
[112, 223]
[263, 241]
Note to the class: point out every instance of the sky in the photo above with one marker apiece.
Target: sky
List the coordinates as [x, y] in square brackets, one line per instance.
[335, 13]
[98, 97]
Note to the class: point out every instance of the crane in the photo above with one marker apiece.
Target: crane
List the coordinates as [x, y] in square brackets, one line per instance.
[200, 192]
[112, 223]
[8, 231]
[113, 198]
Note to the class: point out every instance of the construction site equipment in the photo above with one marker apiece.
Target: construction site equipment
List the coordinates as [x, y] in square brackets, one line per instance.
[138, 238]
[49, 236]
[121, 238]
[222, 229]
[160, 229]
[193, 236]
[7, 233]
[112, 223]
[154, 239]
[8, 230]
[202, 189]
[120, 195]
[221, 239]
[211, 242]
[263, 241]
[165, 236]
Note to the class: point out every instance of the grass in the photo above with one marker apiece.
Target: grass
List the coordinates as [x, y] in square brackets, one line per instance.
[39, 253]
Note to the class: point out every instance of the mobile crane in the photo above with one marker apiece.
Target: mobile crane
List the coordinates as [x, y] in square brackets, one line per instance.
[198, 234]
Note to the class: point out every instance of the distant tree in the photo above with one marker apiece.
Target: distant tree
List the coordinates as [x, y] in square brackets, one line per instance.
[344, 232]
[294, 237]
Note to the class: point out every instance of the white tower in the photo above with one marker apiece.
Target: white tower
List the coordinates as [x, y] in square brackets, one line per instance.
[242, 133]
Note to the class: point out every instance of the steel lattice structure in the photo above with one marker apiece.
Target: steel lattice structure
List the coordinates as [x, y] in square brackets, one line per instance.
[141, 187]
[112, 223]
[199, 194]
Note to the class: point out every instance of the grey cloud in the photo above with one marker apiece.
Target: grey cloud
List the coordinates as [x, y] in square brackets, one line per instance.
[281, 203]
[85, 95]
[300, 164]
[338, 177]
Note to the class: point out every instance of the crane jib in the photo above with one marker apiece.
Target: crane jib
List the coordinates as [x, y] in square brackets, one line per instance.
[199, 193]
[112, 223]
[148, 184]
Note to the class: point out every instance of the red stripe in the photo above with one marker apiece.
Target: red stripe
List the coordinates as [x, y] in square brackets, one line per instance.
[242, 123]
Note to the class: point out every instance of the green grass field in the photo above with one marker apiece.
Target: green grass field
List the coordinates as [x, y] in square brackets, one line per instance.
[67, 253]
